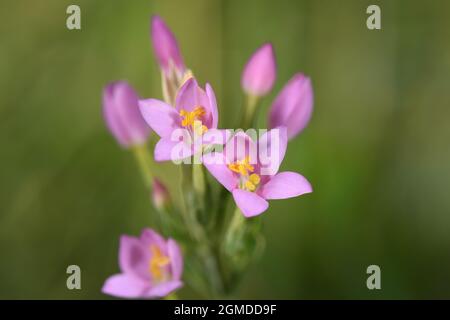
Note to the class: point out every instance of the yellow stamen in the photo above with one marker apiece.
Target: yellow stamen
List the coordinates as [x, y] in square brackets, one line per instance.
[254, 178]
[190, 117]
[242, 166]
[157, 262]
[252, 182]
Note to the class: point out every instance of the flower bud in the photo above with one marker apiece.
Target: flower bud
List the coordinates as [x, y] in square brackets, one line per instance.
[293, 106]
[166, 48]
[122, 115]
[160, 194]
[259, 73]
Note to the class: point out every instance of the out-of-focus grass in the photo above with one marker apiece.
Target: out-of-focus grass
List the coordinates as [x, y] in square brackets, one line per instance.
[376, 150]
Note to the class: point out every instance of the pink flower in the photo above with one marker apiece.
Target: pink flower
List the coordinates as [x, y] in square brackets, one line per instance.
[166, 47]
[122, 116]
[194, 114]
[150, 266]
[260, 71]
[293, 106]
[250, 171]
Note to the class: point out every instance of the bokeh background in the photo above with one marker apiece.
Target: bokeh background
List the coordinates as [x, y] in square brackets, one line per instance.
[377, 149]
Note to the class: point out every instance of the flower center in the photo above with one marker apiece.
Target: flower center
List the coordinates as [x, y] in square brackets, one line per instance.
[243, 167]
[191, 119]
[157, 262]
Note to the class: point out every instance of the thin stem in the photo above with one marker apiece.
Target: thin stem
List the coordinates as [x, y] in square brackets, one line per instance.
[249, 113]
[204, 245]
[235, 224]
[145, 162]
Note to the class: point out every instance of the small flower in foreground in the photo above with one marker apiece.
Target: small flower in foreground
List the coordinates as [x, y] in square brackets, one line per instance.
[293, 106]
[151, 267]
[195, 113]
[245, 176]
[259, 73]
[122, 116]
[160, 194]
[166, 47]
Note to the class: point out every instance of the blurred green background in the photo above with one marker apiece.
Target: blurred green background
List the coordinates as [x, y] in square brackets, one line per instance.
[377, 150]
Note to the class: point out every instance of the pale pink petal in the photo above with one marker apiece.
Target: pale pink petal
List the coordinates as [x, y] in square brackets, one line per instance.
[260, 71]
[167, 149]
[293, 106]
[160, 116]
[285, 185]
[191, 96]
[249, 203]
[165, 46]
[163, 289]
[122, 116]
[125, 286]
[151, 237]
[271, 150]
[241, 145]
[176, 259]
[216, 165]
[133, 257]
[212, 106]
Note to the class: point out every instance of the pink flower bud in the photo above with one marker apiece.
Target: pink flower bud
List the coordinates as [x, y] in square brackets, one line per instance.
[160, 194]
[122, 115]
[260, 71]
[293, 106]
[165, 47]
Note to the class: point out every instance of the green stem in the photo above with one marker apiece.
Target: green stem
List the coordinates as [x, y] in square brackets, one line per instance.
[145, 163]
[236, 223]
[205, 248]
[249, 113]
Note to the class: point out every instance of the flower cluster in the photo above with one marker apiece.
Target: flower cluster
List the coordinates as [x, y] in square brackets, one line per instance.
[218, 247]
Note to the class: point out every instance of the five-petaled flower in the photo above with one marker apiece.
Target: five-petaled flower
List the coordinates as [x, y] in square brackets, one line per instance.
[180, 128]
[151, 267]
[244, 171]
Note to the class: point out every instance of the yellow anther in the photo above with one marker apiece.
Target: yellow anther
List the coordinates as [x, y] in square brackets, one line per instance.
[249, 186]
[254, 178]
[242, 166]
[252, 182]
[189, 117]
[157, 262]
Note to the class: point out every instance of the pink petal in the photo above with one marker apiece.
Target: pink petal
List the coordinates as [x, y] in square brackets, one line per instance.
[167, 149]
[250, 203]
[125, 286]
[260, 71]
[286, 185]
[163, 289]
[191, 96]
[151, 237]
[212, 106]
[165, 45]
[160, 116]
[240, 146]
[133, 257]
[272, 147]
[176, 259]
[122, 116]
[293, 106]
[216, 165]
